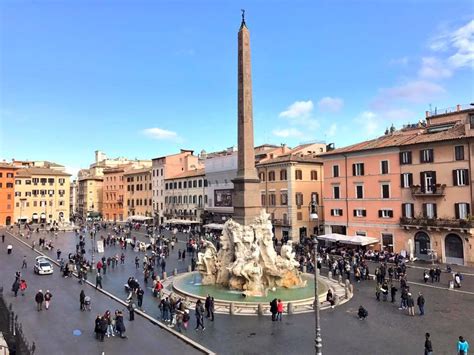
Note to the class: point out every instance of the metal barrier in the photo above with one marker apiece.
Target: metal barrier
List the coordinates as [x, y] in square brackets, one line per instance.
[12, 330]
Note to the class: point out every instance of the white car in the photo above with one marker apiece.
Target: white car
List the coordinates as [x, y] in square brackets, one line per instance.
[43, 266]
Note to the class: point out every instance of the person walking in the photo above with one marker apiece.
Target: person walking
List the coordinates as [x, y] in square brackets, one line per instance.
[211, 309]
[428, 345]
[463, 346]
[24, 265]
[393, 292]
[207, 305]
[421, 303]
[273, 309]
[82, 301]
[137, 262]
[98, 280]
[39, 298]
[362, 313]
[3, 238]
[279, 310]
[131, 311]
[199, 312]
[140, 294]
[47, 299]
[23, 287]
[16, 286]
[110, 328]
[97, 329]
[411, 305]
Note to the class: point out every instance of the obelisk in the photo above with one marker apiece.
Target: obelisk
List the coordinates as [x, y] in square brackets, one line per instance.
[246, 199]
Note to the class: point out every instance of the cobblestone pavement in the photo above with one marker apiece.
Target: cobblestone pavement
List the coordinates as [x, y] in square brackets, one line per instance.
[386, 331]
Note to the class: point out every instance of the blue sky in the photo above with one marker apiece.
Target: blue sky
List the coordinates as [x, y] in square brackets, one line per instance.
[145, 78]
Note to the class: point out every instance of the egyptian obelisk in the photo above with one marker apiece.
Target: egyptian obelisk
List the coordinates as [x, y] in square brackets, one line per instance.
[246, 199]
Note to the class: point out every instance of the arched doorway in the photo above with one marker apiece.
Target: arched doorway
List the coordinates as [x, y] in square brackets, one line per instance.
[454, 250]
[8, 220]
[422, 246]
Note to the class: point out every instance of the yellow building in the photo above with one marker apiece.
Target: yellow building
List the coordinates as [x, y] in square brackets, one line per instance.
[42, 195]
[89, 195]
[138, 192]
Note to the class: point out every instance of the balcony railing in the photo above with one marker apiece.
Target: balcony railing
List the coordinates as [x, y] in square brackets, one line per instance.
[281, 222]
[433, 190]
[437, 222]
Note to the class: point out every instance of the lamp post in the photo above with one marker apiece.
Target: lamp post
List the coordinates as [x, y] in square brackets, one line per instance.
[318, 342]
[93, 242]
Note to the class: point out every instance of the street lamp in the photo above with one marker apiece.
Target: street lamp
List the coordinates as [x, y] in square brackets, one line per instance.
[318, 342]
[93, 242]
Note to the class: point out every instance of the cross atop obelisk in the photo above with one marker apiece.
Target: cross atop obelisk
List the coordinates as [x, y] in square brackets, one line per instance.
[246, 184]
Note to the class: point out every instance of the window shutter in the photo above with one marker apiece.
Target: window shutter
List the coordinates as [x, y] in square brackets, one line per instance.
[456, 210]
[431, 154]
[433, 174]
[422, 160]
[362, 169]
[355, 213]
[364, 213]
[380, 213]
[435, 213]
[410, 180]
[409, 157]
[422, 181]
[390, 214]
[404, 209]
[425, 212]
[332, 212]
[401, 157]
[455, 179]
[340, 212]
[412, 210]
[402, 180]
[353, 169]
[466, 176]
[468, 209]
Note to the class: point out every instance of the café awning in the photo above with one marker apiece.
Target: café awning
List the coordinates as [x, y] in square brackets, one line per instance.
[216, 226]
[181, 221]
[349, 239]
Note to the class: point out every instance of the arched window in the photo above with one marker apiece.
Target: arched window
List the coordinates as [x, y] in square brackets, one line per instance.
[185, 199]
[200, 201]
[283, 175]
[194, 199]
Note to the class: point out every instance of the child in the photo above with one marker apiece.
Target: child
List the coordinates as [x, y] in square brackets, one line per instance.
[279, 309]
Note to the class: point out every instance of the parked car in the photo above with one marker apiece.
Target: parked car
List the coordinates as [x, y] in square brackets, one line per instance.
[43, 266]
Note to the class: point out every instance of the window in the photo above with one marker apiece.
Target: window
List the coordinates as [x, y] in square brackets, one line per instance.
[385, 190]
[384, 167]
[284, 198]
[299, 199]
[428, 181]
[385, 213]
[406, 180]
[335, 171]
[461, 210]
[405, 158]
[314, 175]
[17, 182]
[361, 233]
[429, 210]
[299, 216]
[359, 191]
[387, 242]
[261, 176]
[315, 197]
[283, 175]
[263, 199]
[336, 212]
[17, 204]
[471, 121]
[200, 183]
[459, 152]
[408, 210]
[9, 185]
[360, 213]
[271, 176]
[272, 199]
[180, 185]
[9, 175]
[17, 194]
[426, 156]
[298, 175]
[28, 182]
[336, 192]
[358, 169]
[460, 177]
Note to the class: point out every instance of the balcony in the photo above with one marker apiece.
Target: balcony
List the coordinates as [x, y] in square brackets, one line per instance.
[428, 191]
[437, 222]
[281, 222]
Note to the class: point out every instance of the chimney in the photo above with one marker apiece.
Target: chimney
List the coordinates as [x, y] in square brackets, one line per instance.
[458, 108]
[427, 114]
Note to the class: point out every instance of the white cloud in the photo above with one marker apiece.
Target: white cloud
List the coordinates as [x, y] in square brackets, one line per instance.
[462, 40]
[417, 91]
[399, 61]
[331, 104]
[298, 109]
[288, 133]
[369, 123]
[161, 134]
[433, 68]
[397, 115]
[332, 130]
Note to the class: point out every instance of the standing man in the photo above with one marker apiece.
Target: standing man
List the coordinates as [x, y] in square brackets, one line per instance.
[140, 294]
[428, 345]
[47, 299]
[211, 309]
[24, 265]
[98, 280]
[39, 298]
[3, 238]
[137, 262]
[199, 312]
[421, 303]
[410, 305]
[207, 305]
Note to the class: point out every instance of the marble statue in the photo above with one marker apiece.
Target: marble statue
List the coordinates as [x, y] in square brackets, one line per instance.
[247, 260]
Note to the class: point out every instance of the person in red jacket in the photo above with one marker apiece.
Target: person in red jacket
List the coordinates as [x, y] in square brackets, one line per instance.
[279, 310]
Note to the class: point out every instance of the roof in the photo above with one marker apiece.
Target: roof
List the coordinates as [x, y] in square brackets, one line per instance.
[137, 171]
[188, 174]
[40, 171]
[405, 137]
[288, 158]
[8, 166]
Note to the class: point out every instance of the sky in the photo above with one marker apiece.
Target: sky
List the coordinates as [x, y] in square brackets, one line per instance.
[142, 79]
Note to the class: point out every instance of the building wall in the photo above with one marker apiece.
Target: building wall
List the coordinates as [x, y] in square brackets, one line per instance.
[7, 190]
[90, 195]
[138, 193]
[113, 195]
[50, 203]
[185, 202]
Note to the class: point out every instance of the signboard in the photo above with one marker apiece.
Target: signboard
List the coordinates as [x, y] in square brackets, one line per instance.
[223, 198]
[100, 246]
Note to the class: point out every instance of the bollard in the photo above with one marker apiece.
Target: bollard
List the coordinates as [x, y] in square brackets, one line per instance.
[347, 292]
[290, 308]
[231, 309]
[164, 275]
[340, 279]
[304, 269]
[175, 272]
[189, 268]
[330, 275]
[351, 288]
[260, 309]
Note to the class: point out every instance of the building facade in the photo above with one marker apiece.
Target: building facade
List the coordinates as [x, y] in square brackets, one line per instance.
[138, 192]
[7, 191]
[73, 198]
[113, 195]
[411, 188]
[185, 196]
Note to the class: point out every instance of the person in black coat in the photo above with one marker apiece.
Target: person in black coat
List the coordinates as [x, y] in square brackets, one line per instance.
[103, 328]
[119, 325]
[82, 302]
[97, 326]
[131, 311]
[273, 309]
[207, 305]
